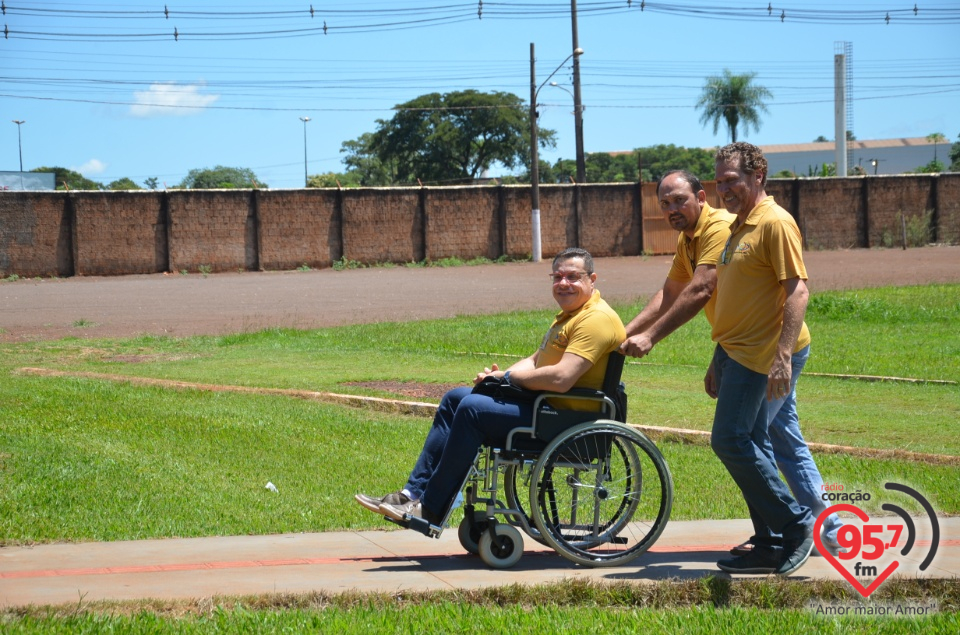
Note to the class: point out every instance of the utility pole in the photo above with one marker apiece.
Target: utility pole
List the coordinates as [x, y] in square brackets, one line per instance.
[306, 179]
[534, 150]
[19, 123]
[577, 103]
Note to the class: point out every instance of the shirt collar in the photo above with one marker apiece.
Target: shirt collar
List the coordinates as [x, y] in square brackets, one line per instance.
[753, 218]
[702, 222]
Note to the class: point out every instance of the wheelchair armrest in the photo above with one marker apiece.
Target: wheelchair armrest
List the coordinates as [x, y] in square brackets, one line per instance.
[608, 408]
[579, 393]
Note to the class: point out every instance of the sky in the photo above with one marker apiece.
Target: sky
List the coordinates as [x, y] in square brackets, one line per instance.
[119, 89]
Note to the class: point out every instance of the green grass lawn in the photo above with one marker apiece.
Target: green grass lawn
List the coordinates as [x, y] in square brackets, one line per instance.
[89, 459]
[86, 459]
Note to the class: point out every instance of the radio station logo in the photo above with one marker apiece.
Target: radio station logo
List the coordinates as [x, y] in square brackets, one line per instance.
[878, 544]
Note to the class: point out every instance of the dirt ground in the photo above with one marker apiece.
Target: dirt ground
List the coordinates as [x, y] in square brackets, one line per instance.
[182, 305]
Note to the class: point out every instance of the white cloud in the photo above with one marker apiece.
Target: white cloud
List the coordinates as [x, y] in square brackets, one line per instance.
[91, 168]
[171, 100]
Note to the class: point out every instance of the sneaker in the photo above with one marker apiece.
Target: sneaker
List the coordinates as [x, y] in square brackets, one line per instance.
[795, 554]
[411, 509]
[831, 545]
[373, 504]
[760, 560]
[743, 549]
[748, 546]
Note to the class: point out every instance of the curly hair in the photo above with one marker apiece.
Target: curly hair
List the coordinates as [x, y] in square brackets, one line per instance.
[748, 156]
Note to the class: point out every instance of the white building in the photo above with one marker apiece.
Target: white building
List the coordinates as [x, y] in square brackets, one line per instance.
[880, 156]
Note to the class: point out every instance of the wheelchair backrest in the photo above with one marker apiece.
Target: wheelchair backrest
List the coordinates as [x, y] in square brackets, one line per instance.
[549, 422]
[613, 387]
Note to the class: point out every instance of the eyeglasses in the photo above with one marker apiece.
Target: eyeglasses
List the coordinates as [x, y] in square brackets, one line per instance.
[571, 278]
[726, 254]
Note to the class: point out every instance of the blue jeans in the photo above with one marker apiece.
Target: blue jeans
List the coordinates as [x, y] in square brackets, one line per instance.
[792, 454]
[464, 421]
[741, 441]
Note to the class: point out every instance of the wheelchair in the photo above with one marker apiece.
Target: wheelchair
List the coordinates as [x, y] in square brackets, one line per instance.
[584, 483]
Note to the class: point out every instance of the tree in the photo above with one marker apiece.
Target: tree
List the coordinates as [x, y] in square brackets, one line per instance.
[363, 164]
[151, 183]
[565, 170]
[825, 169]
[660, 159]
[936, 138]
[123, 184]
[734, 99]
[850, 137]
[70, 180]
[955, 156]
[454, 137]
[335, 179]
[934, 167]
[221, 177]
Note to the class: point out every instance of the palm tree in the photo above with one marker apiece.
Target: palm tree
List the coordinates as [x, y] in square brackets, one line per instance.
[935, 138]
[735, 99]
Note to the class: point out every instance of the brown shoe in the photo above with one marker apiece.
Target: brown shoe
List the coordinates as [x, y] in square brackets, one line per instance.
[411, 509]
[373, 504]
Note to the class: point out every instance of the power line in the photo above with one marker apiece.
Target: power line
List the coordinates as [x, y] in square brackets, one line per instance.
[328, 20]
[435, 109]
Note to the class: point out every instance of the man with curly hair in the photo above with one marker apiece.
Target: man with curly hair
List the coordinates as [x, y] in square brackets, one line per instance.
[758, 326]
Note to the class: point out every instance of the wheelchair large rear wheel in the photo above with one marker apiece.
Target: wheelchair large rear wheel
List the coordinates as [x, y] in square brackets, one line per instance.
[601, 494]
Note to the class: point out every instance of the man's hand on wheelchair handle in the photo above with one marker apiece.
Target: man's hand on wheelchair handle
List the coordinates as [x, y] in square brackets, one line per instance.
[637, 346]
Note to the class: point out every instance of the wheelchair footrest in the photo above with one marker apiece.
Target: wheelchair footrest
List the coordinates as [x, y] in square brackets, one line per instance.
[419, 525]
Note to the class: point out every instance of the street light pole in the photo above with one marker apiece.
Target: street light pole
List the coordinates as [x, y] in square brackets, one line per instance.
[563, 88]
[19, 123]
[305, 178]
[534, 150]
[534, 161]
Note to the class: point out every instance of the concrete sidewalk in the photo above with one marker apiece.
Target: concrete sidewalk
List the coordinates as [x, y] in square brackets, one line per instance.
[386, 561]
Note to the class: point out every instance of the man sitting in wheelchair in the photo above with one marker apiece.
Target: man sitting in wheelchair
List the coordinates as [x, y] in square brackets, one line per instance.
[573, 354]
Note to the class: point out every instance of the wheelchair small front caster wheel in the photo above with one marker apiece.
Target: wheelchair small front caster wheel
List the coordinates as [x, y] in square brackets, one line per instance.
[469, 534]
[501, 546]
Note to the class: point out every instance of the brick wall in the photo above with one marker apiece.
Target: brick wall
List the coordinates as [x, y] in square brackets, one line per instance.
[119, 233]
[212, 228]
[829, 213]
[115, 233]
[609, 219]
[517, 241]
[299, 227]
[35, 238]
[462, 222]
[382, 225]
[948, 209]
[888, 199]
[558, 219]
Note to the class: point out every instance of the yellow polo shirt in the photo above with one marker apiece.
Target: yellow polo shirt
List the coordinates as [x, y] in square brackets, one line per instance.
[761, 253]
[593, 331]
[709, 239]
